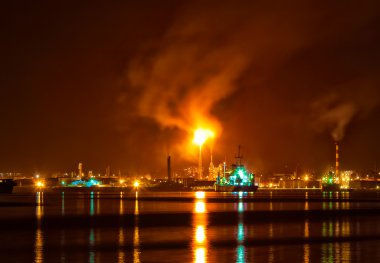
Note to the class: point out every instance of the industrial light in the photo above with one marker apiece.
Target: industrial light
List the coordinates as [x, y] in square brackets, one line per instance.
[40, 184]
[201, 135]
[136, 184]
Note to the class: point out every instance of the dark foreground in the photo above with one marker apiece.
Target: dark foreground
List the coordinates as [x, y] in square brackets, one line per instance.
[190, 227]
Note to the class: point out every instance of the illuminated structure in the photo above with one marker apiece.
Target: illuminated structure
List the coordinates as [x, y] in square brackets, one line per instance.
[239, 178]
[90, 183]
[332, 181]
[329, 179]
[80, 171]
[200, 137]
[213, 171]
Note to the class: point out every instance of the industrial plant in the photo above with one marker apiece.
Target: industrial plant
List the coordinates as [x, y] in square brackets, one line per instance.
[220, 177]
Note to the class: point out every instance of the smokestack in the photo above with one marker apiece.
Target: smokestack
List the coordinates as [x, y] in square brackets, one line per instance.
[337, 160]
[169, 169]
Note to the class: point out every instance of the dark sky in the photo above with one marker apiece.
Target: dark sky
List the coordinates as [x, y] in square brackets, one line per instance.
[125, 83]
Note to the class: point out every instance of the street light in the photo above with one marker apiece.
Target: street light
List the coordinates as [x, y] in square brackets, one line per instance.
[200, 137]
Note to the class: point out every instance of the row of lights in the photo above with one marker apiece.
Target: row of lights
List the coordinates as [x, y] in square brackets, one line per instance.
[41, 184]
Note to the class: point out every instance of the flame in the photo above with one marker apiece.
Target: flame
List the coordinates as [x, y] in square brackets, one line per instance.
[201, 135]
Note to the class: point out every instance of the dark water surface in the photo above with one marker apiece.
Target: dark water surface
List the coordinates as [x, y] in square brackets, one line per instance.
[190, 227]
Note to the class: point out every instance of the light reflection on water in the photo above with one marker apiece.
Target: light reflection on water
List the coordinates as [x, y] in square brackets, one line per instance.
[202, 235]
[92, 207]
[136, 233]
[240, 250]
[39, 240]
[91, 237]
[306, 247]
[63, 203]
[121, 237]
[63, 257]
[91, 240]
[271, 248]
[97, 203]
[200, 231]
[338, 251]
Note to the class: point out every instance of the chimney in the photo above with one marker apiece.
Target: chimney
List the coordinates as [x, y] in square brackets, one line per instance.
[337, 160]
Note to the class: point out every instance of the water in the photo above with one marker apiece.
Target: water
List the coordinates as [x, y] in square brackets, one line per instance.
[190, 227]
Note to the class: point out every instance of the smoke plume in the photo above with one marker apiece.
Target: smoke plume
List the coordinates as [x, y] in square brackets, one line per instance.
[179, 82]
[178, 79]
[334, 115]
[211, 48]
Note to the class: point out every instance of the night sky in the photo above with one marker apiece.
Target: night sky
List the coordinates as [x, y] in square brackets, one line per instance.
[126, 83]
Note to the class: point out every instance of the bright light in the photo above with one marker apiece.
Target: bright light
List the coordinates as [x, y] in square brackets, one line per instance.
[200, 207]
[200, 234]
[306, 177]
[200, 195]
[40, 184]
[200, 255]
[136, 184]
[201, 135]
[121, 181]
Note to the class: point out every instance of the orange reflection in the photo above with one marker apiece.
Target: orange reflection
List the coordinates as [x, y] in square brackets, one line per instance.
[200, 231]
[200, 195]
[271, 248]
[200, 235]
[136, 204]
[39, 240]
[306, 253]
[121, 210]
[306, 247]
[121, 255]
[98, 203]
[306, 206]
[200, 255]
[200, 207]
[136, 243]
[136, 233]
[39, 246]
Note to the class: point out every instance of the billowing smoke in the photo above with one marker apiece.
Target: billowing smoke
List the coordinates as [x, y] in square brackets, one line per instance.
[178, 79]
[253, 50]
